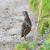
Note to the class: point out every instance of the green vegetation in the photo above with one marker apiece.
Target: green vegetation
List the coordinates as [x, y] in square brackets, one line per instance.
[25, 46]
[31, 45]
[34, 4]
[45, 45]
[43, 7]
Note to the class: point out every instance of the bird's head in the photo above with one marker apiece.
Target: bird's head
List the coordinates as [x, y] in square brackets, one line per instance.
[25, 13]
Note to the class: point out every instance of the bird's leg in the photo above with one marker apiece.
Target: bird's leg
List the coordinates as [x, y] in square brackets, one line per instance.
[25, 37]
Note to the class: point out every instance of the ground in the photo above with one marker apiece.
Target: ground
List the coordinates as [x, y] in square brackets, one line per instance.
[11, 20]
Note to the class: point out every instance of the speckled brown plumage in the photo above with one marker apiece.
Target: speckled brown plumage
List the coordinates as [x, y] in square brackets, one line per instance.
[26, 26]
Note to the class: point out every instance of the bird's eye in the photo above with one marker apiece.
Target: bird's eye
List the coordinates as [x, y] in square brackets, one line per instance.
[6, 8]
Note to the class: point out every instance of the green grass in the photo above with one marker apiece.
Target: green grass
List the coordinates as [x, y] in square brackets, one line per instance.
[25, 46]
[45, 45]
[43, 12]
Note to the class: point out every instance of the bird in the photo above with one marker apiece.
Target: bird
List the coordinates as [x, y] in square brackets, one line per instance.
[26, 26]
